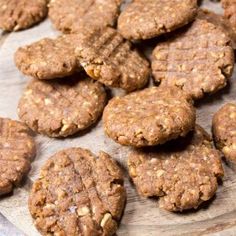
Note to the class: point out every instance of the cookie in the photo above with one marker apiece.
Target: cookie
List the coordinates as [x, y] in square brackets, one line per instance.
[17, 149]
[72, 16]
[60, 108]
[78, 193]
[230, 11]
[224, 130]
[107, 57]
[199, 59]
[21, 14]
[183, 174]
[149, 117]
[49, 58]
[147, 19]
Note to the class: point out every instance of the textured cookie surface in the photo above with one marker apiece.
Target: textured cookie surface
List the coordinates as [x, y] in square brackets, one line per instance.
[21, 14]
[78, 194]
[147, 19]
[199, 59]
[183, 174]
[62, 107]
[224, 130]
[76, 15]
[230, 11]
[49, 58]
[17, 149]
[149, 117]
[107, 57]
[219, 21]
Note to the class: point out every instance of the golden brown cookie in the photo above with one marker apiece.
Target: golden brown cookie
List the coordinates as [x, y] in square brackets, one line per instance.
[62, 107]
[78, 194]
[21, 14]
[183, 173]
[199, 59]
[230, 11]
[107, 57]
[146, 19]
[149, 117]
[72, 16]
[49, 58]
[17, 149]
[224, 130]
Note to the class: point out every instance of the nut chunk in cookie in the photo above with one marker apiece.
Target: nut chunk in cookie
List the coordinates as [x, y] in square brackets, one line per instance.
[183, 173]
[149, 117]
[224, 130]
[73, 16]
[78, 194]
[199, 59]
[49, 58]
[146, 19]
[107, 57]
[21, 14]
[17, 149]
[60, 108]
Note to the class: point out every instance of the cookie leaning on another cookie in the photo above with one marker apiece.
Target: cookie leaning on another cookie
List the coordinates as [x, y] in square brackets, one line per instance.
[74, 16]
[224, 130]
[49, 58]
[182, 173]
[78, 194]
[62, 107]
[149, 117]
[198, 59]
[146, 19]
[107, 57]
[21, 14]
[17, 149]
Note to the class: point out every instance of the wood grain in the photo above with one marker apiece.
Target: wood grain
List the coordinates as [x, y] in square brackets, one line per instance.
[142, 217]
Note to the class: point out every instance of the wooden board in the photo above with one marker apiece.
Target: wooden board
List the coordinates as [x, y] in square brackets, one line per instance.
[142, 217]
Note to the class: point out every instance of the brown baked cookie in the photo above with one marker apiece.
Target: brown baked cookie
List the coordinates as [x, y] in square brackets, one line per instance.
[110, 59]
[224, 130]
[21, 14]
[183, 173]
[49, 58]
[78, 194]
[72, 16]
[230, 11]
[198, 59]
[147, 19]
[62, 107]
[149, 117]
[17, 149]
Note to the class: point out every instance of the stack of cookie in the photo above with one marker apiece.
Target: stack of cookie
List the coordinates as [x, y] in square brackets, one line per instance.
[171, 157]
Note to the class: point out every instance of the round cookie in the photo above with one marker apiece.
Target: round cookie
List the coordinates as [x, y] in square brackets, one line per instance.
[199, 59]
[17, 149]
[224, 130]
[149, 117]
[78, 194]
[62, 107]
[21, 14]
[72, 16]
[49, 58]
[147, 19]
[183, 174]
[107, 57]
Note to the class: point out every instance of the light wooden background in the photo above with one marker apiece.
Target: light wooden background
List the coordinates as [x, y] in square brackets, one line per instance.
[142, 217]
